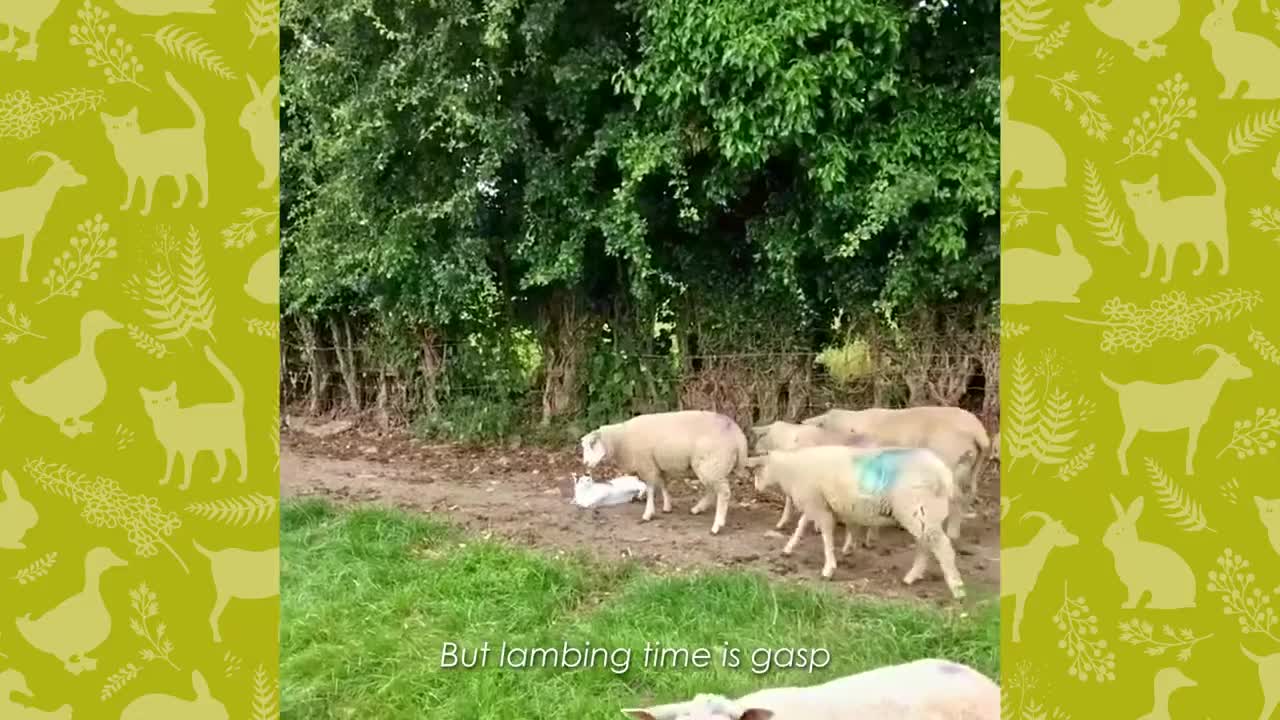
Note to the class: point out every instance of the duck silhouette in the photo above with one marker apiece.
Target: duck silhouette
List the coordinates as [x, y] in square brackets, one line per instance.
[76, 386]
[1136, 23]
[79, 624]
[17, 516]
[12, 681]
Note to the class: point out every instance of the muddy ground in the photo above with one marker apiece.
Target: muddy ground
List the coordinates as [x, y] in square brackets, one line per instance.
[522, 494]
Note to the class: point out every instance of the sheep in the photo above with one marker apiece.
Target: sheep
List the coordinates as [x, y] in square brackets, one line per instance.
[919, 690]
[954, 434]
[709, 445]
[1183, 405]
[780, 435]
[1022, 564]
[23, 210]
[868, 486]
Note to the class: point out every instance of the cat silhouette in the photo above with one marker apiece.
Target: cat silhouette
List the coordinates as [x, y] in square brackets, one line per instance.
[167, 152]
[1196, 220]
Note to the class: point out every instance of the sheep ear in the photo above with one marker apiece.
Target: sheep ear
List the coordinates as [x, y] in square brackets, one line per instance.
[756, 714]
[1118, 507]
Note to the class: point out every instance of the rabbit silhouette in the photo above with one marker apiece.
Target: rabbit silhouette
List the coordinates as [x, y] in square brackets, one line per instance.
[158, 706]
[1031, 158]
[258, 118]
[1242, 58]
[1030, 276]
[1146, 566]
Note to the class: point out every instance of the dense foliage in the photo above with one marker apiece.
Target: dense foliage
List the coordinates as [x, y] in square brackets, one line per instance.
[753, 169]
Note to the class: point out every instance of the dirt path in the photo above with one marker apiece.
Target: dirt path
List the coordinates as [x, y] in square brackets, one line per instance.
[522, 495]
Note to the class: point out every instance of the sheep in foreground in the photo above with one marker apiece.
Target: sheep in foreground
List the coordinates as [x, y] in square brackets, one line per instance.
[781, 435]
[929, 689]
[910, 487]
[954, 434]
[657, 446]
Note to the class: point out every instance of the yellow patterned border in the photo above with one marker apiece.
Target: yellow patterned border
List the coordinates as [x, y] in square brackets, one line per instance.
[139, 566]
[1141, 181]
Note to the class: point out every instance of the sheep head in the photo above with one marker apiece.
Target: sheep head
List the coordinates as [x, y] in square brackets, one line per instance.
[594, 450]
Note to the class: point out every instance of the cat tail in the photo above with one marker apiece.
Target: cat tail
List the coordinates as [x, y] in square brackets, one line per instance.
[238, 392]
[186, 98]
[1219, 186]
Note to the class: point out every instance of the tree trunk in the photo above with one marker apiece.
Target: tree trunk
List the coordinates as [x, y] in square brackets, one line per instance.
[346, 361]
[432, 366]
[318, 380]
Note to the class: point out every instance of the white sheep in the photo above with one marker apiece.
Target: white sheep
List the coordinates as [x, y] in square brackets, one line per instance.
[653, 447]
[781, 435]
[910, 487]
[954, 434]
[929, 689]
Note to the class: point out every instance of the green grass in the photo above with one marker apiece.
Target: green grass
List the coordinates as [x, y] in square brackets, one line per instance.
[369, 596]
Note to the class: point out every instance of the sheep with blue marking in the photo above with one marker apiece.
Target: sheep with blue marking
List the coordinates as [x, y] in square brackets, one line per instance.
[877, 487]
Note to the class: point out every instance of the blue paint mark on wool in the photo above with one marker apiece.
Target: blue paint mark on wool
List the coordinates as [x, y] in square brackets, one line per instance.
[877, 472]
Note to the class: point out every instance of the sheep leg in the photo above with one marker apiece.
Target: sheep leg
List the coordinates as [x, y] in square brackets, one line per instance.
[786, 514]
[722, 507]
[666, 499]
[873, 532]
[704, 502]
[848, 540]
[826, 523]
[919, 563]
[795, 536]
[654, 483]
[940, 546]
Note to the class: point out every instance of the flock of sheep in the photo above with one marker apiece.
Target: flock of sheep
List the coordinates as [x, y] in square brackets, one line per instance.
[860, 468]
[866, 468]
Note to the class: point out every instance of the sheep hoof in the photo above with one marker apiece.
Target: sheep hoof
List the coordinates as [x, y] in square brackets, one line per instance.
[957, 593]
[715, 529]
[827, 573]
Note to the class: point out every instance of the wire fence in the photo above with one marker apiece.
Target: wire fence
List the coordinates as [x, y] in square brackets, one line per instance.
[752, 387]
